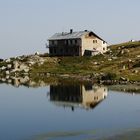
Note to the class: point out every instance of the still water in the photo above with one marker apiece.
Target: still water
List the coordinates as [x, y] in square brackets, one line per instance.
[67, 112]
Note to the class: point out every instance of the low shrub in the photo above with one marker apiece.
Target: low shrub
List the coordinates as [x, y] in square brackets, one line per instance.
[109, 76]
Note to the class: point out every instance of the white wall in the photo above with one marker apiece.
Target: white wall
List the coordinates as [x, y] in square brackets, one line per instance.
[87, 44]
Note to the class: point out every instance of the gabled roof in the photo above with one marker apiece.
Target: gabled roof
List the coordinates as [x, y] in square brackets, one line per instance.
[73, 35]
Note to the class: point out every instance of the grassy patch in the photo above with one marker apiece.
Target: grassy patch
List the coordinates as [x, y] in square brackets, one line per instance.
[106, 63]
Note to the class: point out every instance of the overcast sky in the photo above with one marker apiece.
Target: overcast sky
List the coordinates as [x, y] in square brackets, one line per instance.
[25, 25]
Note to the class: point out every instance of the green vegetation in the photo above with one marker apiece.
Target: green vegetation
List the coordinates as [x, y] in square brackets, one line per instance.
[122, 60]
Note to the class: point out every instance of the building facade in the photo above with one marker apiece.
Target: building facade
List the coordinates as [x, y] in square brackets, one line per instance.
[76, 44]
[73, 96]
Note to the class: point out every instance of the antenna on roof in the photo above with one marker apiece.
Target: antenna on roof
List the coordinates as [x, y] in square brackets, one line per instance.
[71, 31]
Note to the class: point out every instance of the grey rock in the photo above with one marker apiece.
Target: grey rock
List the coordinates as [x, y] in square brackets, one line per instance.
[37, 53]
[3, 68]
[9, 66]
[26, 70]
[3, 79]
[95, 63]
[16, 64]
[9, 81]
[135, 71]
[124, 67]
[109, 59]
[7, 72]
[8, 60]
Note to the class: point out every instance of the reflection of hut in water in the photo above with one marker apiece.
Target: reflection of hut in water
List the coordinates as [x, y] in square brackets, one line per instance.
[87, 96]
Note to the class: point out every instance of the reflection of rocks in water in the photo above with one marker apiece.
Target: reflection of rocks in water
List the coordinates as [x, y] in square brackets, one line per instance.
[15, 81]
[25, 81]
[84, 96]
[128, 89]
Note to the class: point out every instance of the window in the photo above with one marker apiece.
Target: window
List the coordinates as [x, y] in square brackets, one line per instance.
[69, 42]
[104, 49]
[51, 51]
[55, 42]
[94, 41]
[52, 42]
[104, 42]
[75, 42]
[76, 50]
[88, 87]
[66, 42]
[54, 50]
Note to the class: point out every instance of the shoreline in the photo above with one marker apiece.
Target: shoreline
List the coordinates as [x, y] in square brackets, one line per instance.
[120, 65]
[43, 81]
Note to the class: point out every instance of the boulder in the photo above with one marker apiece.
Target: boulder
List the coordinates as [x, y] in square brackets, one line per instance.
[48, 74]
[7, 72]
[23, 67]
[124, 79]
[136, 71]
[7, 77]
[16, 65]
[37, 53]
[8, 60]
[3, 68]
[114, 58]
[26, 70]
[30, 63]
[109, 59]
[95, 63]
[3, 79]
[124, 67]
[124, 51]
[9, 81]
[9, 66]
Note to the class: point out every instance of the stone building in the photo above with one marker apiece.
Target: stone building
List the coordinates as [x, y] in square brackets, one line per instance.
[76, 44]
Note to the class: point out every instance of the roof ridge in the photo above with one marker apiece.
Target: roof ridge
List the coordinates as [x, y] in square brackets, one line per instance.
[72, 35]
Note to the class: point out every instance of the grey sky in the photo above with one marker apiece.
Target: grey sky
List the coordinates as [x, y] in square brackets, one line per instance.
[25, 25]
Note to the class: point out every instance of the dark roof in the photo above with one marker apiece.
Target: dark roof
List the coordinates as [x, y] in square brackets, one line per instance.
[73, 35]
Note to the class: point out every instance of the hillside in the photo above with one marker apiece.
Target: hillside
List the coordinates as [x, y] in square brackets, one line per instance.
[121, 62]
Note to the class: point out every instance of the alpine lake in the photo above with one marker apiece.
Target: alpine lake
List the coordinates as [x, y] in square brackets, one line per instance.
[69, 111]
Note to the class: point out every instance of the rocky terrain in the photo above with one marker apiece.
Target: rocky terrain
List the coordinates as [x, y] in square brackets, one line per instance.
[16, 70]
[19, 65]
[121, 64]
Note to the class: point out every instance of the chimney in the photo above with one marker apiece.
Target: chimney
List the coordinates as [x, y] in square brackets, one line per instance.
[71, 31]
